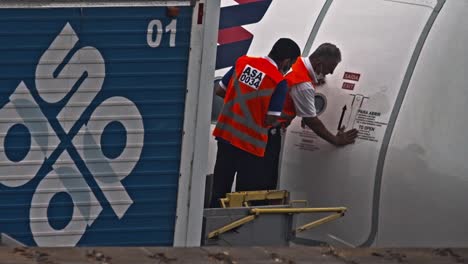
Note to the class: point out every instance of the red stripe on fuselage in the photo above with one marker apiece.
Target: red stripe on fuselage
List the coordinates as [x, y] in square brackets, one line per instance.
[234, 34]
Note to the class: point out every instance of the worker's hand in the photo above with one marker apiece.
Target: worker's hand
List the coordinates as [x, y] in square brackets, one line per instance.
[271, 120]
[346, 137]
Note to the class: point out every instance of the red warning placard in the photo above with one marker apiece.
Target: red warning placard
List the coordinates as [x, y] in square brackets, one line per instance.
[348, 86]
[352, 76]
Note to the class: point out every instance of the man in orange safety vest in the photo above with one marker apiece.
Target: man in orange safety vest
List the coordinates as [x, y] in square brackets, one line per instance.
[254, 91]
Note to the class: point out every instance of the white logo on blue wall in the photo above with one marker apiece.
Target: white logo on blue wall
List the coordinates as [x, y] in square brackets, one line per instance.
[40, 139]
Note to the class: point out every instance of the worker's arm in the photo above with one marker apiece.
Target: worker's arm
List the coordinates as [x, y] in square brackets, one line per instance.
[340, 139]
[303, 96]
[276, 104]
[220, 87]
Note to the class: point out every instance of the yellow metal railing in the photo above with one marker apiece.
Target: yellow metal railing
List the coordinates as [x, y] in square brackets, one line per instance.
[243, 199]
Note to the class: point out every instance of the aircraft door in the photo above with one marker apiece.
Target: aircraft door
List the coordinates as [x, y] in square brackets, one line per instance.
[377, 40]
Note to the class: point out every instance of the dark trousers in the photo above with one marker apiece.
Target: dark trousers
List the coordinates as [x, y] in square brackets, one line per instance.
[271, 158]
[229, 161]
[253, 173]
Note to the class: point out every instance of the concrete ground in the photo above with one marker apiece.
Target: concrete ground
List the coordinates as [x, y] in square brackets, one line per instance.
[288, 255]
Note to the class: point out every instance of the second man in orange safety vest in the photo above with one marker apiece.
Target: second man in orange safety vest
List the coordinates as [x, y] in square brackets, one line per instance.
[307, 74]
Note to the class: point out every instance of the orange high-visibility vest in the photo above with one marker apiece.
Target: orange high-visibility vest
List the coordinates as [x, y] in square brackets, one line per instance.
[299, 74]
[248, 94]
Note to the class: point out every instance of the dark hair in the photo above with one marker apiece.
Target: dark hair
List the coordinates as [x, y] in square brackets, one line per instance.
[283, 49]
[327, 51]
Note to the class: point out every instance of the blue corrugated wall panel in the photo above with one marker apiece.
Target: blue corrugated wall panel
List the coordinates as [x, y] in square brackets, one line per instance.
[91, 116]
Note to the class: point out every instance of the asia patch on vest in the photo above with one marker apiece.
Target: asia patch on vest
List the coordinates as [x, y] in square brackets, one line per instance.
[252, 77]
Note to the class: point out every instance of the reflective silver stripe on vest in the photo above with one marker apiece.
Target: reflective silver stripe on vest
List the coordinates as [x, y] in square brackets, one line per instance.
[229, 128]
[247, 119]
